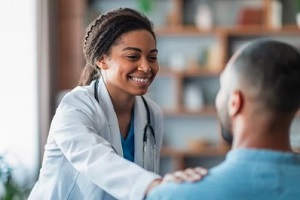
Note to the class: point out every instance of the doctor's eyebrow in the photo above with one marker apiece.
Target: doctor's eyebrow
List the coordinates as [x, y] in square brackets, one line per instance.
[139, 50]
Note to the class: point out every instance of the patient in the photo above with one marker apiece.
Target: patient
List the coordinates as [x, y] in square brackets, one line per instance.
[257, 101]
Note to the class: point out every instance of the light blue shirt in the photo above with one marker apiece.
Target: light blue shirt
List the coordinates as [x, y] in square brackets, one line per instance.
[246, 174]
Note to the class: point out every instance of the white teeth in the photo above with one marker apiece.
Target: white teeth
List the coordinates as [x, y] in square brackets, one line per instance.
[142, 80]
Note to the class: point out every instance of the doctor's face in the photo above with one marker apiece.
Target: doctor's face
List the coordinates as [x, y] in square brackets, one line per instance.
[131, 64]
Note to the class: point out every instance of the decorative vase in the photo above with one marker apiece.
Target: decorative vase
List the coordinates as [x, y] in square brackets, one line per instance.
[298, 19]
[298, 12]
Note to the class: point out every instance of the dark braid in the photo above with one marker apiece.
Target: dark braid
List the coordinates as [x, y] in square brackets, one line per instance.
[104, 32]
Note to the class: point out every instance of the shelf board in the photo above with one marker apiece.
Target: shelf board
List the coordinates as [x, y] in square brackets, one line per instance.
[227, 31]
[179, 155]
[212, 150]
[208, 111]
[184, 31]
[192, 72]
[256, 30]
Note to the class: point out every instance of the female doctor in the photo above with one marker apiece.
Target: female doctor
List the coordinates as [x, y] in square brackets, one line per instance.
[105, 138]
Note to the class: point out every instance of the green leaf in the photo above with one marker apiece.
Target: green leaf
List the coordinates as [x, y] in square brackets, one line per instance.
[145, 5]
[298, 5]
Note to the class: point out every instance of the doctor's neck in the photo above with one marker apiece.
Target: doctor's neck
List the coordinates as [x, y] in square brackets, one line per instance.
[123, 104]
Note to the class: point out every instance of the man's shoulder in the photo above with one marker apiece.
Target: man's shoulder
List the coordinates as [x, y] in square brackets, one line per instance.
[219, 179]
[188, 190]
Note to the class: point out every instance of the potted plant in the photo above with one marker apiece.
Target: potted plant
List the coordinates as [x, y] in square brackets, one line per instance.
[9, 190]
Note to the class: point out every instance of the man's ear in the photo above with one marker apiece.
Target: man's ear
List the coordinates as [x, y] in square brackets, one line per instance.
[235, 103]
[102, 63]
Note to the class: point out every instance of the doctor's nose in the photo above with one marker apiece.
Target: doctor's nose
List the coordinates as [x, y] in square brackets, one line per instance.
[145, 67]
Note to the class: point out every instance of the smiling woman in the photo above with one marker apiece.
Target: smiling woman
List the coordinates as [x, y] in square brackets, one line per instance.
[96, 147]
[105, 137]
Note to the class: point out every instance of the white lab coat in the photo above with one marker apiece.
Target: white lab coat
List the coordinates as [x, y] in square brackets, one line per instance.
[79, 161]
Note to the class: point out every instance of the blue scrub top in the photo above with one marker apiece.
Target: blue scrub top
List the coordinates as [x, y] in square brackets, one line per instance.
[128, 143]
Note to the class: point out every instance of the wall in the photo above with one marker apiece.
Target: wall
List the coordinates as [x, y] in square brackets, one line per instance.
[18, 88]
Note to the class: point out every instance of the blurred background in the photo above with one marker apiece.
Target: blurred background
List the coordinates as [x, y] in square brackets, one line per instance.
[41, 60]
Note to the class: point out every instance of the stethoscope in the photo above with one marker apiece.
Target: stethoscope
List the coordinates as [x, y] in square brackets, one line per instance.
[148, 132]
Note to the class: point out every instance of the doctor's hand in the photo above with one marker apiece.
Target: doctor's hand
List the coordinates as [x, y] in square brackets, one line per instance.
[189, 174]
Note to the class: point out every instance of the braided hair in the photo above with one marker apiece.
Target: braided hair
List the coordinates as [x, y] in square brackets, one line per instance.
[104, 32]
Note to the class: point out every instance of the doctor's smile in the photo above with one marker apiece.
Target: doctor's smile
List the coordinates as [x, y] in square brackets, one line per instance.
[140, 81]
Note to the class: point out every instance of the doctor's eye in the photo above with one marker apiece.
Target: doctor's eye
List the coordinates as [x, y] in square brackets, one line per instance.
[133, 57]
[152, 58]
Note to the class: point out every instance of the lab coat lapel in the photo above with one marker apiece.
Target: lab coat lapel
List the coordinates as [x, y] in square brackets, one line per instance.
[140, 120]
[106, 104]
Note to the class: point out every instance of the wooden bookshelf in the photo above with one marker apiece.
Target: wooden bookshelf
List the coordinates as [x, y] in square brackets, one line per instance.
[71, 25]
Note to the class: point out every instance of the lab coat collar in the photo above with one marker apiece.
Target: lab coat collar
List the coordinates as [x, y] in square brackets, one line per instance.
[140, 120]
[107, 106]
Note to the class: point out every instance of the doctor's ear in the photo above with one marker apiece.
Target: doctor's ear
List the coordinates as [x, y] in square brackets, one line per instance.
[102, 62]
